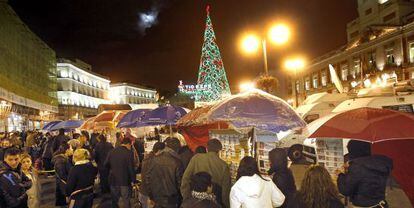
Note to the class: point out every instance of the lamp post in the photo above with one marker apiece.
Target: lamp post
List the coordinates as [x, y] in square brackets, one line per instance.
[278, 34]
[295, 64]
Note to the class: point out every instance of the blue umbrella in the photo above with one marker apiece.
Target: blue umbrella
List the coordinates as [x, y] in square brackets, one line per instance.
[258, 109]
[50, 125]
[133, 118]
[166, 115]
[69, 124]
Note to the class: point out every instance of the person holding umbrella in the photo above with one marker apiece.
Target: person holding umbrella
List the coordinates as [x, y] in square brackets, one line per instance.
[365, 180]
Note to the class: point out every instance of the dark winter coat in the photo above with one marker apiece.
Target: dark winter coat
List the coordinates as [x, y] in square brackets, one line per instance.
[366, 179]
[13, 186]
[196, 203]
[80, 177]
[284, 180]
[185, 157]
[146, 163]
[94, 139]
[59, 139]
[297, 202]
[164, 178]
[62, 165]
[48, 148]
[102, 150]
[121, 168]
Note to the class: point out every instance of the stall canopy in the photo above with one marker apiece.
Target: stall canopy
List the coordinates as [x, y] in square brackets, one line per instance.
[49, 125]
[133, 118]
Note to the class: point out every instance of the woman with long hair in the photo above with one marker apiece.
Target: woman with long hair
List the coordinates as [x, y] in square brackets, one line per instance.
[252, 189]
[317, 190]
[62, 163]
[30, 172]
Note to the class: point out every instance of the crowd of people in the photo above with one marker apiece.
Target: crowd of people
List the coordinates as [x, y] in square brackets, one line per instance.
[171, 175]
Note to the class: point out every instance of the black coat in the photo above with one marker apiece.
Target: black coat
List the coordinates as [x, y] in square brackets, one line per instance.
[297, 202]
[286, 183]
[62, 165]
[121, 168]
[80, 177]
[366, 180]
[102, 150]
[58, 140]
[164, 178]
[13, 187]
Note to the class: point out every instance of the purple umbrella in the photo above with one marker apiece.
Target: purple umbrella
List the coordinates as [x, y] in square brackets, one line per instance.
[69, 124]
[166, 115]
[258, 109]
[133, 118]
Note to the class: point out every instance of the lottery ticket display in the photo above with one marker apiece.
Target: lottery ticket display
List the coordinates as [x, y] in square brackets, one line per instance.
[330, 154]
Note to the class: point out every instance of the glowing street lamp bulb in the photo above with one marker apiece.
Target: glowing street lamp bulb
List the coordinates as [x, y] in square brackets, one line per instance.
[247, 86]
[279, 34]
[250, 44]
[295, 63]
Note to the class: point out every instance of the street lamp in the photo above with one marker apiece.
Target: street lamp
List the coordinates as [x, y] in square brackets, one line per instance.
[278, 34]
[295, 64]
[246, 86]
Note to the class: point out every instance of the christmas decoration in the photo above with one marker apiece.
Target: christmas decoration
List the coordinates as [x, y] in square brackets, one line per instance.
[211, 71]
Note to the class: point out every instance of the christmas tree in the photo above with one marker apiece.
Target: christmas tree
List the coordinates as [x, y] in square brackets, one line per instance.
[212, 78]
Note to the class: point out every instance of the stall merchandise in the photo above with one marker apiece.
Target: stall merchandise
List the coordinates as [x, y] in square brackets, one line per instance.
[330, 154]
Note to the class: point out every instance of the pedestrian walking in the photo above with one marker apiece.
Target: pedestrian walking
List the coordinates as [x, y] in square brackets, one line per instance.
[164, 176]
[121, 173]
[81, 179]
[202, 195]
[13, 183]
[211, 163]
[146, 163]
[282, 175]
[252, 189]
[60, 139]
[47, 154]
[62, 163]
[30, 172]
[102, 149]
[365, 180]
[317, 190]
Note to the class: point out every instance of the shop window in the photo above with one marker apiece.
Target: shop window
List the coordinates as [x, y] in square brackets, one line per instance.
[357, 65]
[344, 72]
[372, 59]
[315, 81]
[324, 79]
[297, 86]
[389, 54]
[307, 83]
[411, 45]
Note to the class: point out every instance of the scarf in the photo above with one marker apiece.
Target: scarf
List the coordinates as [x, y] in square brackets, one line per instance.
[203, 195]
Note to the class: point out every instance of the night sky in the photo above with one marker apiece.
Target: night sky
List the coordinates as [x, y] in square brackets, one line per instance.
[108, 34]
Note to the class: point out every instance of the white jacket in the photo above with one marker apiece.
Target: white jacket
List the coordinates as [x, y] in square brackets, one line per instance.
[254, 192]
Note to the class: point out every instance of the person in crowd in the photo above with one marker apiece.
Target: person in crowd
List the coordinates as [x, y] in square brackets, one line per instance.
[185, 154]
[317, 190]
[47, 154]
[5, 144]
[201, 149]
[299, 163]
[13, 183]
[30, 172]
[202, 195]
[16, 140]
[84, 143]
[211, 163]
[118, 137]
[140, 148]
[30, 141]
[60, 139]
[62, 163]
[102, 149]
[365, 179]
[156, 150]
[81, 178]
[252, 189]
[282, 175]
[121, 173]
[75, 144]
[164, 176]
[179, 136]
[94, 139]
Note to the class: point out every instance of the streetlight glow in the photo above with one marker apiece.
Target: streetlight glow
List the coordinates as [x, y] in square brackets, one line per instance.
[279, 34]
[250, 43]
[246, 86]
[295, 64]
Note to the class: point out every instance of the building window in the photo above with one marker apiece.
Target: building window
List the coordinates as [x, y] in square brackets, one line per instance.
[368, 11]
[315, 81]
[357, 65]
[324, 78]
[411, 45]
[344, 72]
[297, 86]
[307, 83]
[388, 17]
[389, 54]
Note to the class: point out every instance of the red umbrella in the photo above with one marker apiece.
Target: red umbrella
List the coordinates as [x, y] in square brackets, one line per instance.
[367, 124]
[390, 132]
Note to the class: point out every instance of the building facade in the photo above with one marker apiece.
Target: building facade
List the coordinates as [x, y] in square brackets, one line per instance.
[80, 90]
[126, 93]
[382, 51]
[27, 75]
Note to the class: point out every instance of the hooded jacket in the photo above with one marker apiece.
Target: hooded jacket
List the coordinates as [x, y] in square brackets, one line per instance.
[13, 186]
[253, 191]
[366, 179]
